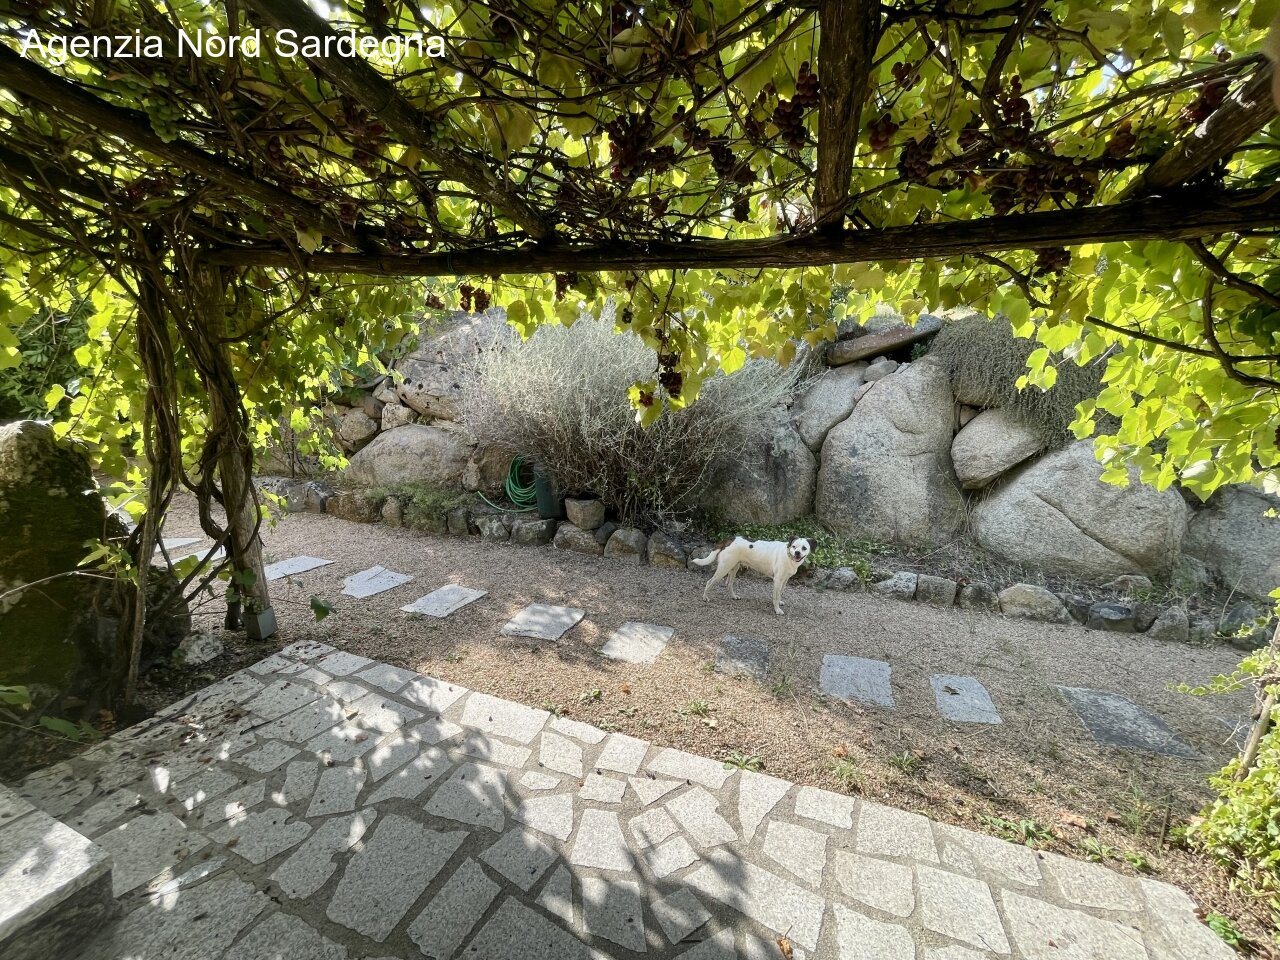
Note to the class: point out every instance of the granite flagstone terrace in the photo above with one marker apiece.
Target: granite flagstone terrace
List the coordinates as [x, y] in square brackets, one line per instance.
[323, 805]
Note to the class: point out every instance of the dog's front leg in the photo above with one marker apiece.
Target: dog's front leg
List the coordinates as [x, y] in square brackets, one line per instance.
[778, 584]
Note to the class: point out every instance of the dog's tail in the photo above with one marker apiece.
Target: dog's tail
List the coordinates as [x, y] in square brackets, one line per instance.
[706, 561]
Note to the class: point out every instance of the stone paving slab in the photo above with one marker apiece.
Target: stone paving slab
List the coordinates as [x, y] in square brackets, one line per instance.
[743, 655]
[446, 600]
[963, 699]
[293, 566]
[371, 582]
[856, 678]
[470, 827]
[540, 621]
[637, 642]
[1114, 721]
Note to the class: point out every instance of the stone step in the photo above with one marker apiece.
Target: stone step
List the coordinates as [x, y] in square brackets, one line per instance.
[55, 885]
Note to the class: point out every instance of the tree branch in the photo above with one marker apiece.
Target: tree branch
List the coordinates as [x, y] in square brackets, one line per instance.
[1246, 110]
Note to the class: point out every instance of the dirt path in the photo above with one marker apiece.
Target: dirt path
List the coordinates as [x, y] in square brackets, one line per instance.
[1037, 776]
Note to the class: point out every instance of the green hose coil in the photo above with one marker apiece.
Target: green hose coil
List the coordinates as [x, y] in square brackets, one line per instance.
[524, 496]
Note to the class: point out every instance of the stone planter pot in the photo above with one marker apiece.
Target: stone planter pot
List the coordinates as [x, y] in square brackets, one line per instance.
[260, 625]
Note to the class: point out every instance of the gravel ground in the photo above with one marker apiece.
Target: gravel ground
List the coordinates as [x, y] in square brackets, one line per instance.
[1040, 765]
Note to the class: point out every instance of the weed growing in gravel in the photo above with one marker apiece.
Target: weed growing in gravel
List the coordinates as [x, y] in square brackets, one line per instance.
[553, 708]
[591, 696]
[846, 774]
[1027, 832]
[1096, 850]
[1224, 928]
[783, 687]
[698, 708]
[1139, 811]
[743, 761]
[906, 761]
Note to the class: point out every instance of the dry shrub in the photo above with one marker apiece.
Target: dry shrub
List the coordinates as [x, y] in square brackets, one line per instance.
[561, 398]
[984, 360]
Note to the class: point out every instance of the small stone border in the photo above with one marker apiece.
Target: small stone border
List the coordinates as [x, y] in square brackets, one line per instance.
[587, 531]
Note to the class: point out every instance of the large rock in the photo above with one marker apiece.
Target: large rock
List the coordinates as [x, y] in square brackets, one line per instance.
[356, 429]
[59, 638]
[570, 537]
[584, 514]
[992, 443]
[772, 483]
[397, 415]
[435, 370]
[886, 470]
[1237, 540]
[1057, 515]
[49, 508]
[627, 543]
[487, 470]
[894, 337]
[827, 402]
[1031, 602]
[432, 452]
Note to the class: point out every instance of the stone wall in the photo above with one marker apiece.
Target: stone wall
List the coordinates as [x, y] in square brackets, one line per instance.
[405, 427]
[878, 446]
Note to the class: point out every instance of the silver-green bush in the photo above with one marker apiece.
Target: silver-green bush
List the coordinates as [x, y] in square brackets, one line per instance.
[561, 398]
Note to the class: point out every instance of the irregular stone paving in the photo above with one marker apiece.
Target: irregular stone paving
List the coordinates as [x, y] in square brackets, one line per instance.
[371, 582]
[637, 642]
[1115, 722]
[539, 621]
[322, 805]
[856, 678]
[442, 602]
[293, 566]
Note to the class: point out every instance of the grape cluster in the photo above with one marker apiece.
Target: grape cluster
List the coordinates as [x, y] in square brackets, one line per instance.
[474, 300]
[742, 208]
[916, 159]
[434, 302]
[970, 134]
[627, 316]
[788, 116]
[1052, 260]
[881, 132]
[1209, 100]
[646, 398]
[1015, 115]
[722, 161]
[807, 86]
[629, 139]
[564, 283]
[1030, 186]
[905, 75]
[669, 377]
[1122, 140]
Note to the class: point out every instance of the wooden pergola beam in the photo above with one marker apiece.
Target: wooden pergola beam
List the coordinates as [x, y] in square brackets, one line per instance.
[1195, 214]
[846, 50]
[1246, 110]
[360, 81]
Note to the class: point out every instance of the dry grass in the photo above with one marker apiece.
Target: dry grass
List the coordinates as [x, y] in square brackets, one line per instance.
[984, 360]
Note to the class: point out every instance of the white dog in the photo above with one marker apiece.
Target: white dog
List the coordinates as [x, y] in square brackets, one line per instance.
[772, 557]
